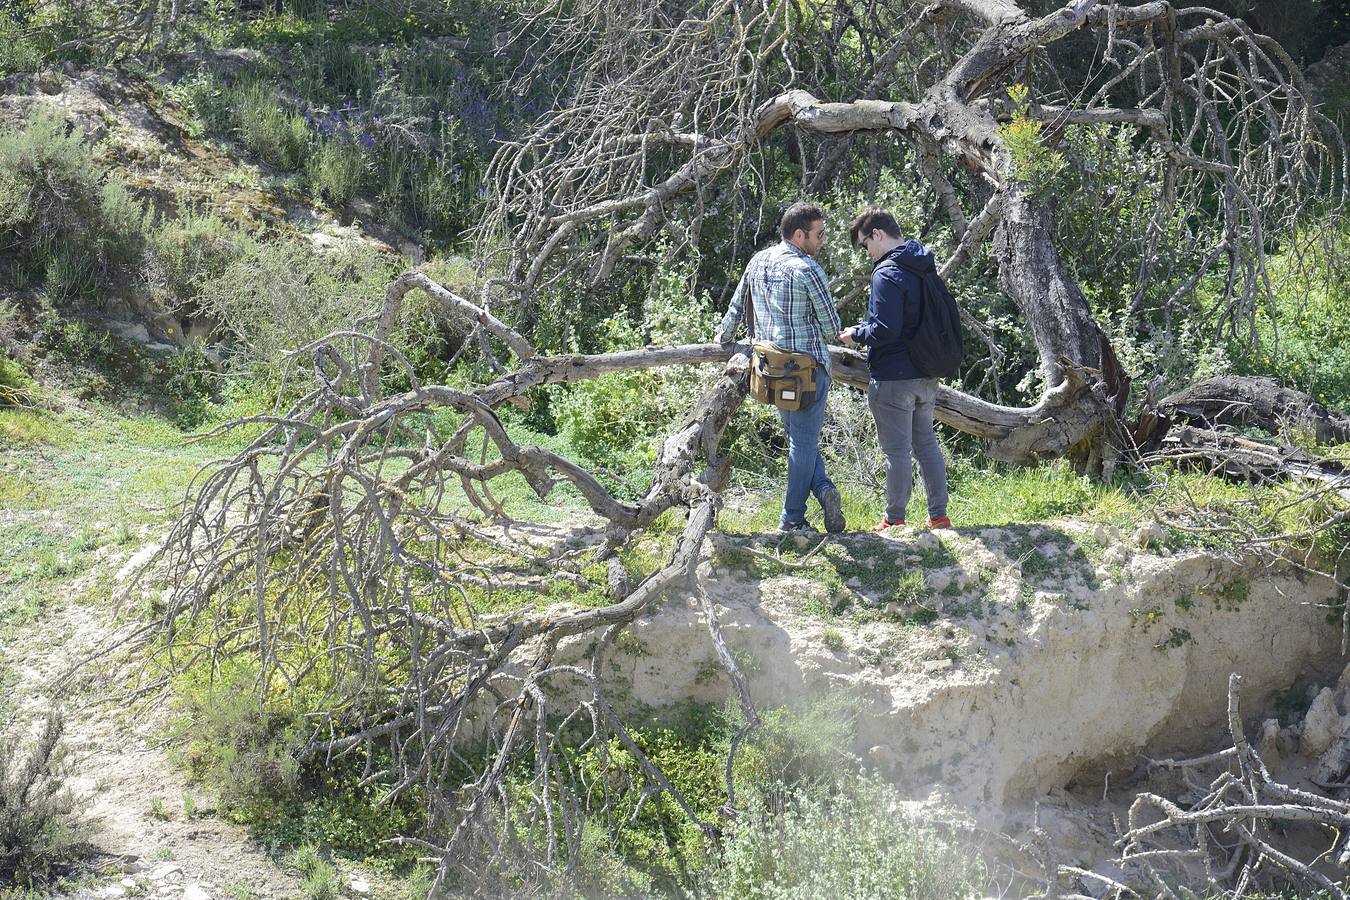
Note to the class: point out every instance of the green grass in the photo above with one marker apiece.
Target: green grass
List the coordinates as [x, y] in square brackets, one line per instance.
[73, 482]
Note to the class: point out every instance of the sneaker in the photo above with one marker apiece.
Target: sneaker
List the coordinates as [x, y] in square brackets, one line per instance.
[796, 528]
[888, 523]
[940, 522]
[833, 506]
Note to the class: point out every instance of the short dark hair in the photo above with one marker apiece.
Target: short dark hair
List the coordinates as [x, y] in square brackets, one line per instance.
[800, 215]
[870, 220]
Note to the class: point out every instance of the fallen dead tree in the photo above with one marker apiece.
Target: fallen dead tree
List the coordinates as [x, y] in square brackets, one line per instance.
[357, 545]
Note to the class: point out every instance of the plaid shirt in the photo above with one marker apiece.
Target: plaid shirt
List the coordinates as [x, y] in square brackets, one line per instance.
[792, 303]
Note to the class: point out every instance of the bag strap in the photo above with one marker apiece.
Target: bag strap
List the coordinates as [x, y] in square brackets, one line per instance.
[749, 312]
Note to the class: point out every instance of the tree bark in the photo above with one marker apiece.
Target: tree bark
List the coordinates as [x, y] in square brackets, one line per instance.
[1245, 401]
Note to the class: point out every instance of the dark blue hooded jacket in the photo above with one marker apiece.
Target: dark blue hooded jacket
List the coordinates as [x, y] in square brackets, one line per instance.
[893, 312]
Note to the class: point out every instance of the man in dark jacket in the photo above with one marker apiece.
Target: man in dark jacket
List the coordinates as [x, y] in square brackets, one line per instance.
[900, 396]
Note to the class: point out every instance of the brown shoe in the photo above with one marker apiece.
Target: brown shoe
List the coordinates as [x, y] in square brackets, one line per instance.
[887, 523]
[940, 522]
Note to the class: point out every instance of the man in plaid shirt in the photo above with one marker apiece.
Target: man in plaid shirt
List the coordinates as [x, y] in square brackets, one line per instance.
[793, 309]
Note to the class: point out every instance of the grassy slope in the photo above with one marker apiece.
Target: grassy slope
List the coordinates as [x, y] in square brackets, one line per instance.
[78, 489]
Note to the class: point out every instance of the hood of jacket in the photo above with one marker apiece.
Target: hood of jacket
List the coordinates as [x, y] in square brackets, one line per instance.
[913, 255]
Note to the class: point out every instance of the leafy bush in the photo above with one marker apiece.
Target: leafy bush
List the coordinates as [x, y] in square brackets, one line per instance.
[336, 171]
[18, 51]
[276, 296]
[267, 125]
[39, 834]
[855, 844]
[186, 250]
[188, 381]
[617, 420]
[245, 754]
[16, 385]
[1033, 164]
[1304, 337]
[320, 876]
[208, 101]
[67, 222]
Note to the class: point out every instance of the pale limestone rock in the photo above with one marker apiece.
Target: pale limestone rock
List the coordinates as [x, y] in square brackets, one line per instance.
[926, 540]
[1322, 725]
[1116, 555]
[1150, 534]
[1105, 534]
[1335, 763]
[168, 870]
[1268, 745]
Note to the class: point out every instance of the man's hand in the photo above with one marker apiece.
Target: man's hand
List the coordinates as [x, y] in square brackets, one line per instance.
[846, 337]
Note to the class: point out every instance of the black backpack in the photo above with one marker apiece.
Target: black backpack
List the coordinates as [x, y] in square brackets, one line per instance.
[936, 347]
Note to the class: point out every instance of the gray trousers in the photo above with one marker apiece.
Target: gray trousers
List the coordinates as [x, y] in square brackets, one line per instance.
[904, 414]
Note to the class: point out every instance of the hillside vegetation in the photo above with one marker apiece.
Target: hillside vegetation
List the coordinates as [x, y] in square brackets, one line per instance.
[181, 209]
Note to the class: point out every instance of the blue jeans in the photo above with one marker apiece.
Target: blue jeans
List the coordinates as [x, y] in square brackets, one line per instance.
[806, 469]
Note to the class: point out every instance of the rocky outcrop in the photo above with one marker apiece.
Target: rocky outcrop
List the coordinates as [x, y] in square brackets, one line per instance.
[1039, 662]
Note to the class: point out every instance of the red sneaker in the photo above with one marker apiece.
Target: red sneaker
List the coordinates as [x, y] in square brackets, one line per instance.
[887, 523]
[940, 522]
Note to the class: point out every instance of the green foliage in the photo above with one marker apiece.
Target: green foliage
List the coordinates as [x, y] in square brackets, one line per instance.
[1303, 338]
[799, 751]
[320, 877]
[39, 833]
[66, 223]
[617, 420]
[19, 51]
[1033, 164]
[187, 249]
[659, 842]
[188, 381]
[336, 171]
[246, 754]
[265, 123]
[249, 757]
[353, 100]
[16, 385]
[207, 100]
[853, 844]
[1005, 495]
[277, 296]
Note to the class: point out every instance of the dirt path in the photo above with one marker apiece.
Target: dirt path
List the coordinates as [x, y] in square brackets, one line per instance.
[156, 834]
[82, 493]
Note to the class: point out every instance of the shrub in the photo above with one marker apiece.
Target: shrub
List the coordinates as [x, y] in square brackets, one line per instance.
[337, 171]
[66, 221]
[186, 250]
[854, 844]
[188, 382]
[1033, 164]
[1304, 336]
[320, 876]
[277, 296]
[39, 834]
[16, 385]
[18, 51]
[267, 126]
[617, 420]
[245, 754]
[207, 100]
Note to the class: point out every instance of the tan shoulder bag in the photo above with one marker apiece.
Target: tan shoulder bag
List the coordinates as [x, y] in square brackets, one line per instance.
[779, 377]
